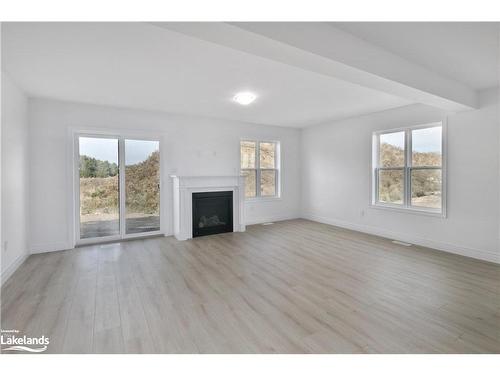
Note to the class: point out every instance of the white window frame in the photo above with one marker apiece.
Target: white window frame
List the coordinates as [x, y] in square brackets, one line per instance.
[407, 168]
[277, 169]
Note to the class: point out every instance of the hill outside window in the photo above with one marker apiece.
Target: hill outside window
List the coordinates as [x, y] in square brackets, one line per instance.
[259, 163]
[408, 169]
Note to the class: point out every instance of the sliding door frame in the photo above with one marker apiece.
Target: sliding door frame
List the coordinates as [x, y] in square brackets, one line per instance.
[121, 137]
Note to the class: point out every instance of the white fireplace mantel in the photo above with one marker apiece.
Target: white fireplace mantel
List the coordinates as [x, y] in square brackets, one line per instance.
[185, 186]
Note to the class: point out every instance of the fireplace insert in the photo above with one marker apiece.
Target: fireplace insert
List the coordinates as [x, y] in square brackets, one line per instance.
[212, 213]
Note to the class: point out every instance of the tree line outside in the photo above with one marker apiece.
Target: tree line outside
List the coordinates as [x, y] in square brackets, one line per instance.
[92, 167]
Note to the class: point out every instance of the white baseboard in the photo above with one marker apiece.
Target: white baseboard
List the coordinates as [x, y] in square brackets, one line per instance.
[9, 271]
[271, 219]
[437, 245]
[49, 247]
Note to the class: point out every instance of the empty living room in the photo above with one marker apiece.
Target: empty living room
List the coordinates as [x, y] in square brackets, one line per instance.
[250, 187]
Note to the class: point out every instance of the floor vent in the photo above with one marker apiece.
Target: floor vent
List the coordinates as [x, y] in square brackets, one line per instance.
[402, 243]
[267, 223]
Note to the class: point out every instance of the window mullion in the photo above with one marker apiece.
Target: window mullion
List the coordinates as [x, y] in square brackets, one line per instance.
[257, 168]
[407, 172]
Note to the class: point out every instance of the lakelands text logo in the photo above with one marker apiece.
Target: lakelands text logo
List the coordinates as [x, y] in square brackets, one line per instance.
[11, 341]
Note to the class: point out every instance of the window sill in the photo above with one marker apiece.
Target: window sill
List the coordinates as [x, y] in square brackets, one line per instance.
[262, 199]
[414, 211]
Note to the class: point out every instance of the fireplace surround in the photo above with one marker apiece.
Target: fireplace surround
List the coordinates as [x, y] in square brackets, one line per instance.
[187, 187]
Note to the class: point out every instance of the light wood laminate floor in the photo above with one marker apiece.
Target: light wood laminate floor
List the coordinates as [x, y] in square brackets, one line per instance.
[292, 287]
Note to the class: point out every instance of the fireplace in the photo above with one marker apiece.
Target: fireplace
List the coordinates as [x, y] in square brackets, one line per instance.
[212, 213]
[186, 188]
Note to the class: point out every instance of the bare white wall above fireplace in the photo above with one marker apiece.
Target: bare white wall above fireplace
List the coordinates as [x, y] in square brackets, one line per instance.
[183, 189]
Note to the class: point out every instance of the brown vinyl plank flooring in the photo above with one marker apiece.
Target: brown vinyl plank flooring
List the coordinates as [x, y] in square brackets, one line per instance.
[293, 287]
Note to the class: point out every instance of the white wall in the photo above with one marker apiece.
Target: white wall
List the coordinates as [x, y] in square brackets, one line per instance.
[336, 169]
[193, 145]
[14, 177]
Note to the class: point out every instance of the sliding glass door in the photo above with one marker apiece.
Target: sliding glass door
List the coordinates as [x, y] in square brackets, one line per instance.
[142, 186]
[118, 188]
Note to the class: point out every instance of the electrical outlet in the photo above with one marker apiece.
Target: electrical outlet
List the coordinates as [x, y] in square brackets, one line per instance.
[5, 245]
[362, 213]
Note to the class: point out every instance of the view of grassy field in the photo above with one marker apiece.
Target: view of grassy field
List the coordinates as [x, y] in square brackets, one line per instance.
[425, 183]
[98, 197]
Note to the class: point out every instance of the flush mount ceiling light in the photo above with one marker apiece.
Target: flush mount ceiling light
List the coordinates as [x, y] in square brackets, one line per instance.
[244, 98]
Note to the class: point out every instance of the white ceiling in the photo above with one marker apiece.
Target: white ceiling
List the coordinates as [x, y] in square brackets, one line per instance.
[140, 65]
[143, 66]
[467, 52]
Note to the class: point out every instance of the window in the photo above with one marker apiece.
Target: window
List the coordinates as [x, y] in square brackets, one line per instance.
[408, 168]
[259, 161]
